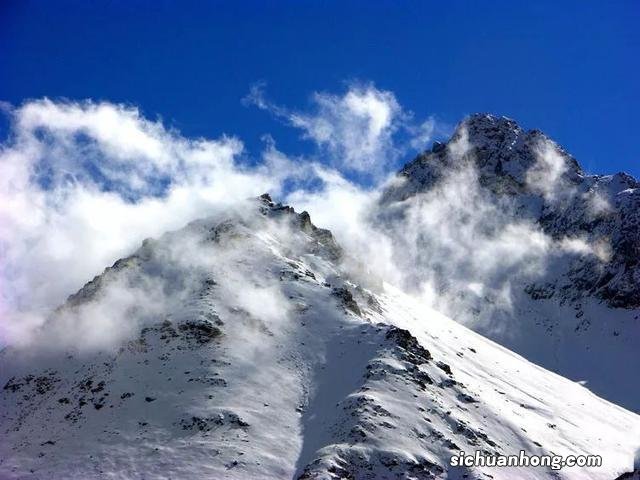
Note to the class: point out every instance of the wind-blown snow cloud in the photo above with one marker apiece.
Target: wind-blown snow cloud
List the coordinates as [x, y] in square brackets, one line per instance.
[346, 208]
[82, 184]
[547, 176]
[455, 246]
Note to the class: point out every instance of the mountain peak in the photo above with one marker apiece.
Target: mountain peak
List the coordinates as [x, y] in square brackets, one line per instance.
[248, 353]
[502, 153]
[483, 129]
[489, 122]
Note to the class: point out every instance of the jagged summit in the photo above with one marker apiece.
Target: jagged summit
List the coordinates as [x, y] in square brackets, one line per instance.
[501, 138]
[497, 147]
[481, 127]
[220, 228]
[487, 131]
[324, 238]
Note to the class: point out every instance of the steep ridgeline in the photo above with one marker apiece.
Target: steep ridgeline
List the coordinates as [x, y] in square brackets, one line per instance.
[257, 358]
[575, 309]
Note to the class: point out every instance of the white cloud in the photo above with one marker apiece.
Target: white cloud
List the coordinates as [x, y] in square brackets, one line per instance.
[453, 246]
[82, 183]
[460, 146]
[120, 131]
[355, 128]
[358, 131]
[422, 134]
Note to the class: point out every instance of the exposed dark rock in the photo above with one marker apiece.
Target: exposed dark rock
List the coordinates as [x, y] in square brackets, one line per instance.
[209, 423]
[634, 475]
[344, 294]
[444, 367]
[415, 352]
[323, 243]
[202, 331]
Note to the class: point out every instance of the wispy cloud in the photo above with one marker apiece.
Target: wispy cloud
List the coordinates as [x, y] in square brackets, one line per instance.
[454, 245]
[83, 183]
[547, 175]
[361, 130]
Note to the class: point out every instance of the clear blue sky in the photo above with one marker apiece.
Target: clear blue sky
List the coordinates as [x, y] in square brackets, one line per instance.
[569, 68]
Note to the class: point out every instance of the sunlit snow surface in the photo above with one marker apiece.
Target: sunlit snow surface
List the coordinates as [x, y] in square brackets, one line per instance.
[266, 362]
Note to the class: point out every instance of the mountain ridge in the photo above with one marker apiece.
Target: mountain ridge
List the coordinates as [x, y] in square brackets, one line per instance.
[307, 376]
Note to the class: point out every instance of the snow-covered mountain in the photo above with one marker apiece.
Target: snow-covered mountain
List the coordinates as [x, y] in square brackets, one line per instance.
[571, 300]
[237, 347]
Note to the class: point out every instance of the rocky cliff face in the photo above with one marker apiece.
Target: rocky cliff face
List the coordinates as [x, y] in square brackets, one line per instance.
[546, 185]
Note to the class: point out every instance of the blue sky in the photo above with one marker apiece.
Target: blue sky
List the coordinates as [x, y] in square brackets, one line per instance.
[570, 69]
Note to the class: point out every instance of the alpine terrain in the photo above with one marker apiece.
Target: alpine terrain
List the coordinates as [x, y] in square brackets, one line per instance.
[241, 347]
[570, 301]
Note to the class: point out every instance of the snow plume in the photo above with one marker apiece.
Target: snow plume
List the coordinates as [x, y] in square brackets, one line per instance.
[548, 175]
[124, 305]
[455, 246]
[458, 242]
[168, 280]
[459, 249]
[598, 204]
[346, 209]
[82, 184]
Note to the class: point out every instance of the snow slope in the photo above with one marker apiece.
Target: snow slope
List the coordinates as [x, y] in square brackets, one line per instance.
[263, 360]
